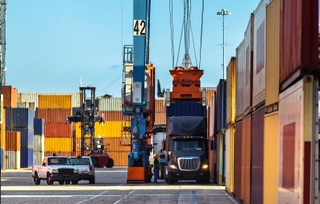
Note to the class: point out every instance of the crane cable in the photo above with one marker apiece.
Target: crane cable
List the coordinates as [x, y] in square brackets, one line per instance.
[201, 32]
[171, 31]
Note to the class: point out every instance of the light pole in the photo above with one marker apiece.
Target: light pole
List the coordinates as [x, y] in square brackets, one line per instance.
[223, 12]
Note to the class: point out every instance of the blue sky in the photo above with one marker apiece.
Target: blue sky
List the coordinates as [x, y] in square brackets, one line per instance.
[51, 44]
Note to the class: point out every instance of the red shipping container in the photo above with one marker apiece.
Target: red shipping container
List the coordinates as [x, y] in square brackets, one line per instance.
[57, 130]
[13, 141]
[10, 96]
[54, 115]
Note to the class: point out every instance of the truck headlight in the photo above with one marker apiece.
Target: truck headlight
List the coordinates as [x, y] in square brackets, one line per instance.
[76, 171]
[54, 171]
[205, 166]
[172, 166]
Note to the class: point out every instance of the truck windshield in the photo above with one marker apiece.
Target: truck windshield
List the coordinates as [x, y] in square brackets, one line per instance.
[199, 145]
[58, 161]
[80, 161]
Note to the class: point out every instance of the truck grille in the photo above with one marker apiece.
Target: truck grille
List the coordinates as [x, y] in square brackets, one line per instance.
[189, 163]
[65, 171]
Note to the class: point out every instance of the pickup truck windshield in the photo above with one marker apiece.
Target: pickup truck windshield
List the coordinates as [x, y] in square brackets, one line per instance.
[80, 161]
[199, 145]
[59, 161]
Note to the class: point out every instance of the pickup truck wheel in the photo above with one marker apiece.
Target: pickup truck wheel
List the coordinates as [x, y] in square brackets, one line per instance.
[61, 182]
[75, 182]
[36, 179]
[92, 180]
[49, 179]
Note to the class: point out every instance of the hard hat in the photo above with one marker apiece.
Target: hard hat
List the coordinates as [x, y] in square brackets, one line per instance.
[154, 155]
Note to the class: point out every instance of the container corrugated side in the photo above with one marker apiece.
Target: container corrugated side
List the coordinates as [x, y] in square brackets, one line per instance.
[109, 128]
[186, 109]
[110, 104]
[246, 159]
[297, 109]
[231, 92]
[257, 156]
[10, 96]
[210, 91]
[221, 106]
[38, 143]
[21, 117]
[221, 160]
[272, 52]
[30, 157]
[57, 144]
[33, 98]
[240, 79]
[230, 159]
[218, 157]
[238, 159]
[37, 158]
[160, 106]
[3, 133]
[2, 159]
[38, 126]
[259, 48]
[24, 157]
[57, 130]
[12, 159]
[212, 157]
[12, 140]
[53, 115]
[111, 115]
[65, 154]
[212, 113]
[298, 37]
[160, 118]
[120, 158]
[271, 158]
[54, 101]
[26, 136]
[247, 77]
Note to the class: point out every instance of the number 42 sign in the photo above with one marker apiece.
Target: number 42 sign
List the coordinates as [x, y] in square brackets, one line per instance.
[139, 27]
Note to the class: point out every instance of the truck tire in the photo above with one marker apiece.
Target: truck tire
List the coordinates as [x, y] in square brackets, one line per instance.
[92, 180]
[110, 163]
[75, 182]
[61, 182]
[49, 180]
[36, 179]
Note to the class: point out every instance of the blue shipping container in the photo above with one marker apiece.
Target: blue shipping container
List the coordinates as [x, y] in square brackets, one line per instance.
[221, 106]
[30, 157]
[26, 137]
[38, 126]
[24, 158]
[1, 158]
[19, 117]
[186, 109]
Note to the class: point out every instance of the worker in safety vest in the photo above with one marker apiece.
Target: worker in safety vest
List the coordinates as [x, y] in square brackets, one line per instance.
[156, 166]
[162, 160]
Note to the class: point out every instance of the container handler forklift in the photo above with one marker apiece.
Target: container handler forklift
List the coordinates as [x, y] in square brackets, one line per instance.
[138, 97]
[87, 115]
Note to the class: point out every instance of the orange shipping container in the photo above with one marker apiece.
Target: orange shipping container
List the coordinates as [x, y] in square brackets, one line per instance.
[54, 115]
[10, 96]
[3, 122]
[159, 106]
[54, 101]
[160, 118]
[57, 130]
[12, 141]
[113, 116]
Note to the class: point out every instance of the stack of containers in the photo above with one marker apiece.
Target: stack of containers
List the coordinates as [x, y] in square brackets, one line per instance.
[54, 109]
[3, 137]
[160, 112]
[111, 130]
[38, 141]
[212, 119]
[230, 122]
[21, 119]
[297, 102]
[220, 132]
[13, 146]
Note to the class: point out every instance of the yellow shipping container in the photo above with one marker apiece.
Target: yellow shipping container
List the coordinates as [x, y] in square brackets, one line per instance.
[270, 160]
[230, 159]
[120, 158]
[109, 128]
[57, 144]
[54, 101]
[231, 93]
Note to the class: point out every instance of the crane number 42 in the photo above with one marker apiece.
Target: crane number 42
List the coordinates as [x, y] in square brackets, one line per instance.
[139, 27]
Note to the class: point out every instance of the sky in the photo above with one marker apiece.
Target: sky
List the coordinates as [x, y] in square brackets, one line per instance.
[53, 44]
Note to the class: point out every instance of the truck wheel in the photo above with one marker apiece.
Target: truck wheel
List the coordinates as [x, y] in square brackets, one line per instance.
[36, 179]
[110, 163]
[75, 182]
[49, 179]
[61, 182]
[92, 180]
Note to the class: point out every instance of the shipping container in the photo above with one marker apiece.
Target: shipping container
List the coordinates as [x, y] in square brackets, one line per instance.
[109, 128]
[259, 48]
[231, 92]
[160, 118]
[120, 158]
[37, 158]
[2, 159]
[240, 79]
[110, 104]
[298, 37]
[210, 91]
[297, 132]
[10, 96]
[26, 136]
[271, 158]
[110, 144]
[24, 157]
[57, 130]
[213, 117]
[160, 106]
[53, 115]
[2, 126]
[246, 159]
[272, 52]
[257, 168]
[30, 105]
[212, 158]
[33, 98]
[12, 159]
[230, 159]
[238, 159]
[54, 101]
[38, 143]
[221, 159]
[247, 76]
[30, 157]
[19, 117]
[52, 144]
[38, 126]
[64, 154]
[186, 109]
[221, 106]
[218, 158]
[13, 140]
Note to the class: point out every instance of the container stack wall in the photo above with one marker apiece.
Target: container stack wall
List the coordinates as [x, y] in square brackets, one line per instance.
[238, 160]
[38, 141]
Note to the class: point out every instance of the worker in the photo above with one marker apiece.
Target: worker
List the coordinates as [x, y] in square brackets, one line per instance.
[162, 160]
[155, 168]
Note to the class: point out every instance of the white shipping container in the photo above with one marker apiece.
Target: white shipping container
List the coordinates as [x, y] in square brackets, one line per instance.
[37, 158]
[110, 104]
[13, 159]
[38, 143]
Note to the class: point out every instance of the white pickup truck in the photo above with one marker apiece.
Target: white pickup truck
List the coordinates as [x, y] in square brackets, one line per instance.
[55, 168]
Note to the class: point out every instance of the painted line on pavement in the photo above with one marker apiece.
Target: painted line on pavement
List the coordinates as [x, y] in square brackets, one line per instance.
[124, 197]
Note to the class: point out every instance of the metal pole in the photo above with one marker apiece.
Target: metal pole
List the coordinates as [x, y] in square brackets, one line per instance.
[223, 12]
